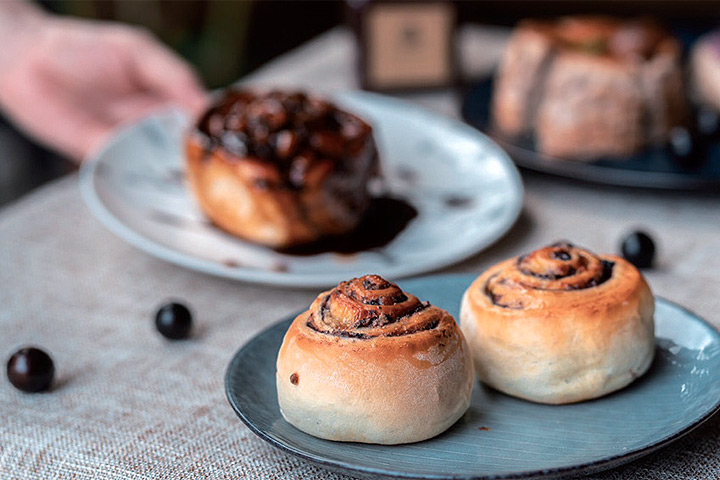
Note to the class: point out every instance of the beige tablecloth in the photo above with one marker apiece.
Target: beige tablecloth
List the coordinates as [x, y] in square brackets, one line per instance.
[129, 405]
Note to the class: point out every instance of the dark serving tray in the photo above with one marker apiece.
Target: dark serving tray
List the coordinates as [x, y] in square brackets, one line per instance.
[653, 168]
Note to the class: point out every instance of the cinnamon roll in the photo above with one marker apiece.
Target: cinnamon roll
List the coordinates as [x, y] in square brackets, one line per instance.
[368, 362]
[281, 168]
[560, 324]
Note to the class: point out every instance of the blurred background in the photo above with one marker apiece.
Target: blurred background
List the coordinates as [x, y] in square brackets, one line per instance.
[227, 39]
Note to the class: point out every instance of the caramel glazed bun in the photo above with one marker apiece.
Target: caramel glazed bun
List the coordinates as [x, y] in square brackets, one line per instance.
[559, 325]
[370, 363]
[281, 168]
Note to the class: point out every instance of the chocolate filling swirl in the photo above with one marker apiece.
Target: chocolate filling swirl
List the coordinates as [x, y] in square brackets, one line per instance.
[558, 267]
[368, 307]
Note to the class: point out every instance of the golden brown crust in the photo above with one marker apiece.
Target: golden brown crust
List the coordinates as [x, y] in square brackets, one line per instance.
[276, 177]
[705, 69]
[559, 325]
[370, 363]
[607, 38]
[590, 87]
[520, 76]
[591, 107]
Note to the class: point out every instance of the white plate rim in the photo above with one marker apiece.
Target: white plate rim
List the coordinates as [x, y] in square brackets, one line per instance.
[88, 172]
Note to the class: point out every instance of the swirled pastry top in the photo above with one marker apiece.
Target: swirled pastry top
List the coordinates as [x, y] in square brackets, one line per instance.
[291, 132]
[368, 362]
[607, 37]
[369, 307]
[560, 275]
[560, 324]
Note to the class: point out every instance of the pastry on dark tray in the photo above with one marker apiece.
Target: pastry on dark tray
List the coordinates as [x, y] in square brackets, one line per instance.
[589, 87]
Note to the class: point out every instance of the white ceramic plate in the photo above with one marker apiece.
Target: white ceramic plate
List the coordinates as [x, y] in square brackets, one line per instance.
[465, 188]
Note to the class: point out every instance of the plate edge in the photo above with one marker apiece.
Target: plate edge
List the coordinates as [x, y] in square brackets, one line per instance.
[583, 469]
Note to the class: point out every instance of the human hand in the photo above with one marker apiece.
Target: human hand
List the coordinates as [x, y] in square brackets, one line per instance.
[69, 83]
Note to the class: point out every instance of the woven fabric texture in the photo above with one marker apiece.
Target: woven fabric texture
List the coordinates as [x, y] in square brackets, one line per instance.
[129, 405]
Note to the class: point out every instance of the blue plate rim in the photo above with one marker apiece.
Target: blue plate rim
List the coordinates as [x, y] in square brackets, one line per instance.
[575, 470]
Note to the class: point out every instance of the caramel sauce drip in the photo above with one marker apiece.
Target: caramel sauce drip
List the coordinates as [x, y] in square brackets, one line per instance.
[558, 267]
[368, 307]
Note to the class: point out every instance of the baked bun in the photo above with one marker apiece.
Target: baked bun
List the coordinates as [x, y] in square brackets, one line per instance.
[370, 363]
[589, 87]
[281, 168]
[559, 325]
[705, 69]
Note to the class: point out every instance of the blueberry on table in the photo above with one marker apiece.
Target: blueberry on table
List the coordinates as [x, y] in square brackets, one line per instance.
[685, 147]
[708, 122]
[174, 321]
[639, 249]
[30, 370]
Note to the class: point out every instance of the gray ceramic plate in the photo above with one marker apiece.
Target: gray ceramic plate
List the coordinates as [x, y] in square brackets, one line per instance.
[465, 188]
[500, 436]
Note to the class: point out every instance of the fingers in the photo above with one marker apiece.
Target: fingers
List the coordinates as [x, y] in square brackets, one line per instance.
[81, 80]
[53, 119]
[167, 75]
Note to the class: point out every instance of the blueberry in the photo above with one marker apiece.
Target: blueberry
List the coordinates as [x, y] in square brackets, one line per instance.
[708, 122]
[30, 370]
[682, 143]
[639, 249]
[174, 321]
[686, 148]
[561, 255]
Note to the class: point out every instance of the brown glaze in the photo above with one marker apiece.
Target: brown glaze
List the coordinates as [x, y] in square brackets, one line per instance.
[281, 168]
[384, 219]
[291, 131]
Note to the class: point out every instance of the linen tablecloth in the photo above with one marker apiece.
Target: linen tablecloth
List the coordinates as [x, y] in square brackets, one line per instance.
[129, 405]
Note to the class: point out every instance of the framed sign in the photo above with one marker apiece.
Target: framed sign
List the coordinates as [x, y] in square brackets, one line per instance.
[406, 45]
